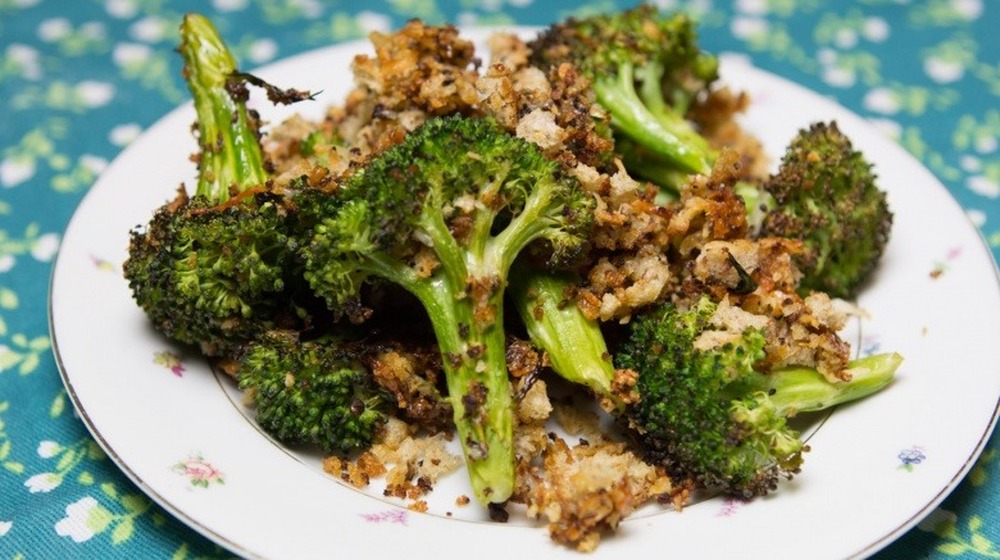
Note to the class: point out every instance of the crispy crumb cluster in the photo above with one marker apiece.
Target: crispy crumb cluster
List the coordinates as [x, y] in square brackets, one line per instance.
[583, 490]
[408, 461]
[754, 280]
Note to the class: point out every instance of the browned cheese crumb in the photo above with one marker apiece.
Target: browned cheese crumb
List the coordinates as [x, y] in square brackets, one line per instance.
[585, 491]
[799, 332]
[409, 463]
[557, 112]
[409, 376]
[419, 505]
[715, 115]
[709, 208]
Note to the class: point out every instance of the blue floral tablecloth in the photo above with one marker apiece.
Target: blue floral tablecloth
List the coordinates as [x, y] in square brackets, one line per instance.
[80, 80]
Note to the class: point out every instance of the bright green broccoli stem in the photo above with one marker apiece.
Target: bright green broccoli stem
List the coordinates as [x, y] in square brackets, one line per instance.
[230, 156]
[758, 203]
[463, 300]
[574, 343]
[671, 117]
[475, 365]
[631, 116]
[794, 390]
[641, 164]
[465, 304]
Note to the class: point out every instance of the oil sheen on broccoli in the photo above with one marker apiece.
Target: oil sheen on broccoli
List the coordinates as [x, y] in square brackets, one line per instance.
[311, 393]
[826, 194]
[646, 70]
[443, 214]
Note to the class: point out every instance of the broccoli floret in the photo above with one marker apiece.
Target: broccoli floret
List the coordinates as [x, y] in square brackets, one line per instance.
[213, 277]
[708, 415]
[443, 214]
[705, 414]
[826, 194]
[311, 393]
[646, 71]
[215, 269]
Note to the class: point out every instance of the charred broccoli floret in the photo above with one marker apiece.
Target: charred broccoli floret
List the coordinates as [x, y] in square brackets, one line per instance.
[443, 214]
[646, 70]
[826, 194]
[312, 392]
[703, 411]
[217, 268]
[708, 415]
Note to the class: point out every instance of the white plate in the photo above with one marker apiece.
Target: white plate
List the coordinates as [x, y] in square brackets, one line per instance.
[874, 470]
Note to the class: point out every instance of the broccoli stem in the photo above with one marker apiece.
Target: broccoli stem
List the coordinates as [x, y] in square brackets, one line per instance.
[475, 366]
[794, 390]
[578, 352]
[642, 164]
[470, 336]
[230, 155]
[670, 117]
[634, 118]
[758, 203]
[575, 344]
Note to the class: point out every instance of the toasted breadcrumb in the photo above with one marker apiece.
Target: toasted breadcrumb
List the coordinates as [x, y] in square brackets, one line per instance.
[409, 463]
[715, 115]
[534, 407]
[409, 377]
[585, 491]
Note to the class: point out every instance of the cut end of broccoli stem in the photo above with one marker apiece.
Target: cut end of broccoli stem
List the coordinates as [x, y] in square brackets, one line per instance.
[230, 157]
[796, 390]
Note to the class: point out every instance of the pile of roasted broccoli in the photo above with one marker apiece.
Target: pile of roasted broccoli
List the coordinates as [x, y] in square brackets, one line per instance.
[701, 321]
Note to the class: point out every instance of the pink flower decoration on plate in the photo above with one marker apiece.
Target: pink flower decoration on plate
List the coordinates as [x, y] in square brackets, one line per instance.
[170, 361]
[103, 264]
[729, 507]
[199, 472]
[388, 516]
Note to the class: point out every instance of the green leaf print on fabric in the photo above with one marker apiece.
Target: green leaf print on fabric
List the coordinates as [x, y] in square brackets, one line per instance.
[6, 446]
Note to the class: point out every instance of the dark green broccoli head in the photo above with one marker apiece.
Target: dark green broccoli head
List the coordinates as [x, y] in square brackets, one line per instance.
[311, 393]
[453, 185]
[214, 276]
[705, 414]
[826, 194]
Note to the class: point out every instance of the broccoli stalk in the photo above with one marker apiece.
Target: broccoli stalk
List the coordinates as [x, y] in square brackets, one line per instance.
[574, 344]
[228, 138]
[443, 214]
[311, 392]
[645, 71]
[826, 194]
[216, 269]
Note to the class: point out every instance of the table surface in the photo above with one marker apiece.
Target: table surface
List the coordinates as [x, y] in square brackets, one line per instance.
[80, 80]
